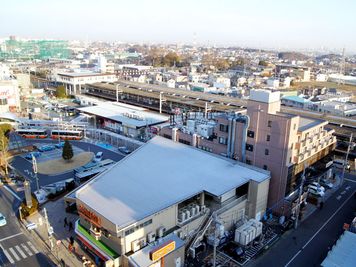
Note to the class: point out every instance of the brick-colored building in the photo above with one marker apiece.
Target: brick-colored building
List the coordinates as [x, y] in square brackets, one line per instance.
[264, 137]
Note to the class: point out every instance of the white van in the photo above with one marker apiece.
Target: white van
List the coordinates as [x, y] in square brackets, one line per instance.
[98, 157]
[339, 163]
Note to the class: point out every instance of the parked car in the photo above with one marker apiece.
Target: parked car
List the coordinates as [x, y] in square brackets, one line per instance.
[317, 185]
[59, 145]
[46, 148]
[35, 154]
[316, 191]
[2, 220]
[326, 183]
[98, 157]
[124, 149]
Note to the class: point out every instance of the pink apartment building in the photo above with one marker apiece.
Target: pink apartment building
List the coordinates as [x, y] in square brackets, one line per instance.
[264, 137]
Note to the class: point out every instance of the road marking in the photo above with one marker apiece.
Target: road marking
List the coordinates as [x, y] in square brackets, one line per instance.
[338, 197]
[32, 247]
[14, 254]
[21, 252]
[11, 236]
[27, 249]
[349, 180]
[343, 192]
[11, 260]
[317, 232]
[12, 193]
[348, 187]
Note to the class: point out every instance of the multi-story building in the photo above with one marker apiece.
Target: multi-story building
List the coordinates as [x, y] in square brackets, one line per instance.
[264, 137]
[159, 198]
[73, 81]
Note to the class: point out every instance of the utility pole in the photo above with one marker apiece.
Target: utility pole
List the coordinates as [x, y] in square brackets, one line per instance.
[34, 165]
[215, 239]
[49, 228]
[299, 198]
[346, 159]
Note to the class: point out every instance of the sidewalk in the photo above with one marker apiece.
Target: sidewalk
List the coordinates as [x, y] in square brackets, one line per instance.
[61, 236]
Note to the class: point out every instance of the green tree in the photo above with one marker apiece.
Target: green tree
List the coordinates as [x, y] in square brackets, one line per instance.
[61, 92]
[263, 63]
[67, 152]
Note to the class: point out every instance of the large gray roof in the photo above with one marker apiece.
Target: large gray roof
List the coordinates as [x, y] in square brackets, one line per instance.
[160, 174]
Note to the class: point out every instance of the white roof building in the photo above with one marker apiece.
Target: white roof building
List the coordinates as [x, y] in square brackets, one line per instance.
[159, 175]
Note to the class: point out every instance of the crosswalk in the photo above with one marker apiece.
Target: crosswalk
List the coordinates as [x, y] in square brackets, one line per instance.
[20, 251]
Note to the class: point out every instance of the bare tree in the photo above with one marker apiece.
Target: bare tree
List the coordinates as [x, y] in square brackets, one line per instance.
[4, 152]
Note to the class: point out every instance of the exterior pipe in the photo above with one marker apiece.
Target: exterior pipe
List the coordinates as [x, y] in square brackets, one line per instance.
[229, 143]
[233, 133]
[244, 138]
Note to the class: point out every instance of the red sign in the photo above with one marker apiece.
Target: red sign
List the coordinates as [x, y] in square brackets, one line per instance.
[91, 216]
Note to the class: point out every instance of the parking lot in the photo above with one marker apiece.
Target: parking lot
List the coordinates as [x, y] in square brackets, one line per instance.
[53, 154]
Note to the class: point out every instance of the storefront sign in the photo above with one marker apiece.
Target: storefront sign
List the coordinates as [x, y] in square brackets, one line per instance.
[91, 216]
[162, 251]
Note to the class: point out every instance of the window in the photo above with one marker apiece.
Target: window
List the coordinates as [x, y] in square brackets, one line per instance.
[137, 227]
[294, 126]
[249, 147]
[184, 142]
[290, 159]
[251, 134]
[224, 128]
[222, 140]
[291, 147]
[248, 161]
[266, 151]
[268, 138]
[265, 167]
[167, 136]
[269, 123]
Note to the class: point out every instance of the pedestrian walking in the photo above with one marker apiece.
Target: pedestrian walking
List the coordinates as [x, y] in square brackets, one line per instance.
[321, 205]
[71, 240]
[63, 264]
[70, 224]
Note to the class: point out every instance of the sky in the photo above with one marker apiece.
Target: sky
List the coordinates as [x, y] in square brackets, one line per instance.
[278, 24]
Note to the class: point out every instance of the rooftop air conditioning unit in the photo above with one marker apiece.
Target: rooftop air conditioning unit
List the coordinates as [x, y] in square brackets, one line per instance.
[161, 231]
[151, 237]
[188, 214]
[182, 216]
[142, 242]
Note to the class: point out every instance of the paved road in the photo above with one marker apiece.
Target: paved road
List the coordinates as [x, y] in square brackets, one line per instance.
[16, 249]
[308, 245]
[21, 164]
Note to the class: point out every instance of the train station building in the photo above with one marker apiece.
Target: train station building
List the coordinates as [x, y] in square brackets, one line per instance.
[153, 206]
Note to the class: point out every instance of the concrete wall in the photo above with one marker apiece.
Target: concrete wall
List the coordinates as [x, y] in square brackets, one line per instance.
[257, 198]
[166, 218]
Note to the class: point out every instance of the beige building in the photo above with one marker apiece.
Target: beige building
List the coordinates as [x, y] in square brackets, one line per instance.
[149, 206]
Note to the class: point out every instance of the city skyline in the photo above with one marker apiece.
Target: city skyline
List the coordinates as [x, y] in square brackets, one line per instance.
[316, 25]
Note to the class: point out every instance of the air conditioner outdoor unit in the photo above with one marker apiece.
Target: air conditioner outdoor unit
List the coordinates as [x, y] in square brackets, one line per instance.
[161, 231]
[142, 242]
[187, 212]
[182, 216]
[193, 211]
[135, 245]
[151, 237]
